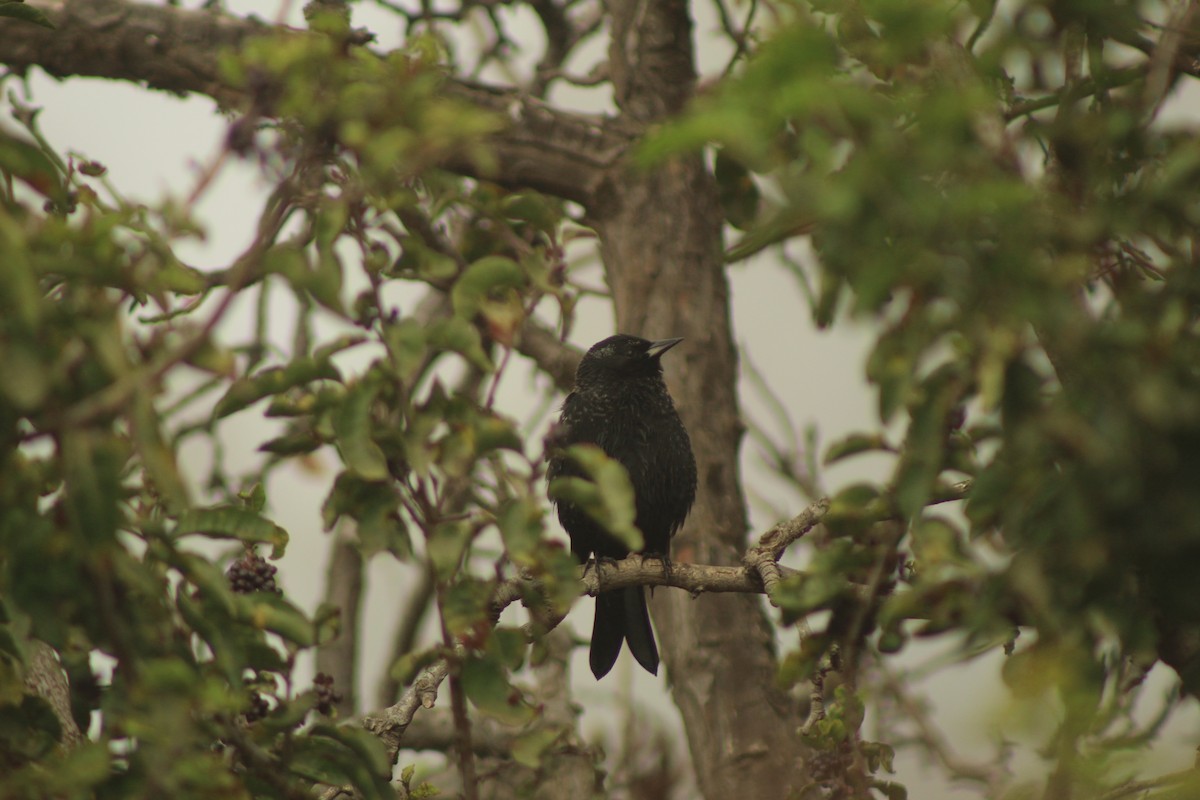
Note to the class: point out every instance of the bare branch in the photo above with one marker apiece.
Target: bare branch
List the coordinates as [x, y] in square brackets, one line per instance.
[462, 726]
[1180, 780]
[46, 678]
[435, 731]
[563, 35]
[763, 558]
[1165, 62]
[391, 723]
[554, 357]
[343, 589]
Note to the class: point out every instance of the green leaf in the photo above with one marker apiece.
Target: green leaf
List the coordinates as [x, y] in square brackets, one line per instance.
[494, 432]
[483, 279]
[855, 444]
[529, 747]
[925, 446]
[207, 618]
[366, 746]
[92, 463]
[406, 346]
[306, 402]
[273, 380]
[891, 368]
[30, 729]
[268, 611]
[233, 522]
[990, 494]
[829, 296]
[25, 377]
[858, 502]
[327, 621]
[891, 640]
[465, 606]
[85, 764]
[738, 192]
[405, 668]
[174, 276]
[509, 645]
[290, 714]
[374, 505]
[544, 213]
[781, 225]
[25, 160]
[25, 12]
[487, 687]
[879, 755]
[204, 575]
[255, 497]
[447, 545]
[460, 336]
[799, 595]
[520, 523]
[297, 442]
[936, 541]
[330, 761]
[799, 665]
[352, 424]
[891, 790]
[157, 458]
[325, 282]
[606, 495]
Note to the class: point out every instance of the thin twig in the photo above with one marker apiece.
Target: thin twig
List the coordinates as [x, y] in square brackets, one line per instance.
[1139, 787]
[462, 722]
[1163, 67]
[113, 398]
[406, 633]
[931, 738]
[763, 558]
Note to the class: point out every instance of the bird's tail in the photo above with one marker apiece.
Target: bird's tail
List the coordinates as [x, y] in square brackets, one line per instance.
[622, 616]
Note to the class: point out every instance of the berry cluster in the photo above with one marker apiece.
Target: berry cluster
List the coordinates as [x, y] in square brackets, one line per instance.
[259, 707]
[251, 573]
[327, 698]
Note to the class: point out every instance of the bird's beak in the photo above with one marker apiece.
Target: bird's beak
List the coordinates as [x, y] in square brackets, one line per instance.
[656, 349]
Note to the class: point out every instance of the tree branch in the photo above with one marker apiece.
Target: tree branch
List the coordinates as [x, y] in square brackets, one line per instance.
[46, 678]
[554, 357]
[763, 558]
[176, 50]
[343, 589]
[391, 723]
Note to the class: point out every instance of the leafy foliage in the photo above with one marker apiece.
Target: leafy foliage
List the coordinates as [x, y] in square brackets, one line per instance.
[991, 186]
[184, 674]
[988, 184]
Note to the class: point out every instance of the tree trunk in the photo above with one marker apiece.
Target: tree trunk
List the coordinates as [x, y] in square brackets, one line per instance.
[660, 237]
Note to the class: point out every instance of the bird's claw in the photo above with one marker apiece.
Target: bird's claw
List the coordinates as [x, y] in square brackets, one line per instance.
[664, 559]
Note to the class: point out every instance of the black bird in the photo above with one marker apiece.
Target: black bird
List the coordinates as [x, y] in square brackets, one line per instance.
[621, 404]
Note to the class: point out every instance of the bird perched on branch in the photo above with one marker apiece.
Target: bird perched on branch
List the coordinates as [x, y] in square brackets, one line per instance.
[621, 404]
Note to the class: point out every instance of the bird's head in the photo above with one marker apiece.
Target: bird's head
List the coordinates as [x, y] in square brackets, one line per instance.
[622, 357]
